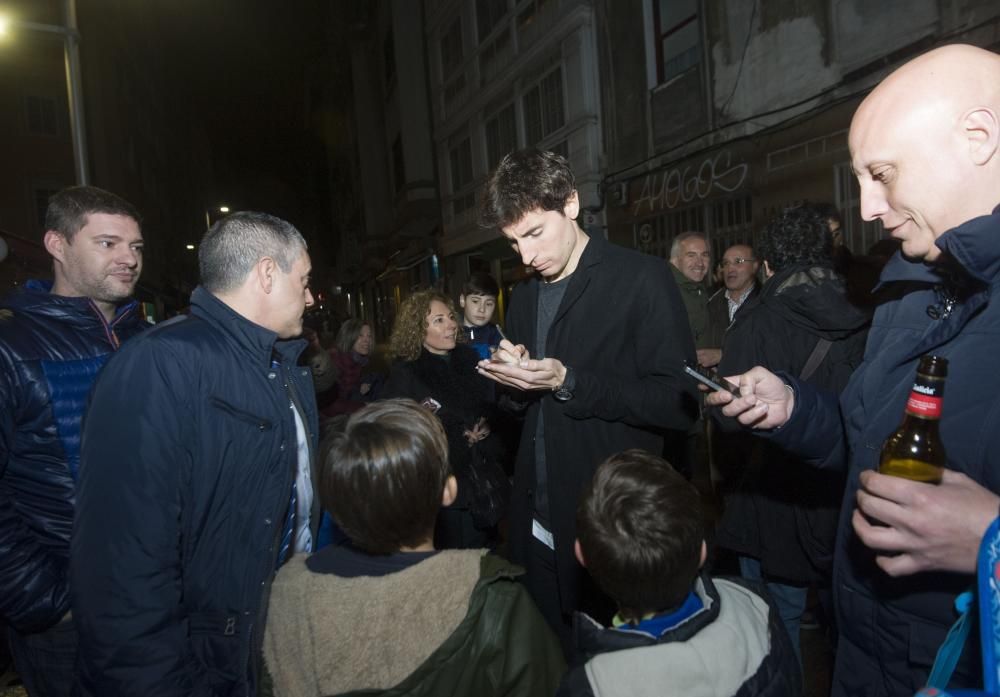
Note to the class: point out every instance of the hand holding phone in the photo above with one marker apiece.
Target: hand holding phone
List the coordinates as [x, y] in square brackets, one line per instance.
[713, 381]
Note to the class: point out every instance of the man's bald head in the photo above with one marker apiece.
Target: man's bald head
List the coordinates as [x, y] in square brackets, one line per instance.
[924, 145]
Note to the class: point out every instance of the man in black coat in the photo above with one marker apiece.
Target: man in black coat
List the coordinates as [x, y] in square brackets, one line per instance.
[603, 339]
[780, 515]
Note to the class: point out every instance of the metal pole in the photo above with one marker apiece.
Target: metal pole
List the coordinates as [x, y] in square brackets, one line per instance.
[71, 49]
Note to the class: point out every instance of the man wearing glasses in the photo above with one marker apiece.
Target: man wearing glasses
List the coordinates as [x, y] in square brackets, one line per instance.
[739, 274]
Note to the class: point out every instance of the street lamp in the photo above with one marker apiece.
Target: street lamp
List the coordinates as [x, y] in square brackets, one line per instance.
[71, 55]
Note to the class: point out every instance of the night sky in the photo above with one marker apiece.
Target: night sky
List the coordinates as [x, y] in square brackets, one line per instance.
[244, 65]
[261, 76]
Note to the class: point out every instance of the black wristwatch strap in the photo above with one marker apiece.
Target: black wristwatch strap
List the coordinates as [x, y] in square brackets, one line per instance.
[564, 392]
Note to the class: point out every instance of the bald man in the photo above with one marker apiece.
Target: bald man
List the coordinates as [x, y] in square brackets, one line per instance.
[925, 147]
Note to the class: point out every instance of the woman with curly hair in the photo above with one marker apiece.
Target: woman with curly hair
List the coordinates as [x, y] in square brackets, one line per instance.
[433, 368]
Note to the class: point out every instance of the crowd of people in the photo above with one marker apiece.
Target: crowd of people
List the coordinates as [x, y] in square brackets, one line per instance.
[224, 504]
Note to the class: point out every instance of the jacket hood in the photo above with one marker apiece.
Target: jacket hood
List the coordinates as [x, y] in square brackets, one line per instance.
[813, 298]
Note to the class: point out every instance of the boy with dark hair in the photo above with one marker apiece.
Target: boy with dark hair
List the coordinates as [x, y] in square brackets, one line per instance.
[391, 612]
[678, 631]
[479, 302]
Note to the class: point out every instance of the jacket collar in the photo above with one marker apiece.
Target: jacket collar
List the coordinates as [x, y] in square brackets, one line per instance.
[36, 296]
[258, 340]
[974, 246]
[684, 282]
[593, 255]
[592, 638]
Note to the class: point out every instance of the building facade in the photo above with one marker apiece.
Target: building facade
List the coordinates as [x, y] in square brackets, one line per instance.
[395, 248]
[728, 110]
[506, 74]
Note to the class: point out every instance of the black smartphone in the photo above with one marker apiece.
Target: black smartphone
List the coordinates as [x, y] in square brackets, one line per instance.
[713, 380]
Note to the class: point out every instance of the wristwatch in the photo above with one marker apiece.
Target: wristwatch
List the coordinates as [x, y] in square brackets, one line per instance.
[564, 392]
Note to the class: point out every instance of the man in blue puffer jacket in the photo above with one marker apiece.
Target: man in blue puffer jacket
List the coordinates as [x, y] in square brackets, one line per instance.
[195, 476]
[54, 338]
[925, 147]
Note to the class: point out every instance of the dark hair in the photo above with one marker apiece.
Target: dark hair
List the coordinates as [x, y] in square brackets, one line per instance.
[480, 283]
[410, 326]
[382, 478]
[68, 209]
[639, 526]
[799, 235]
[525, 180]
[348, 333]
[828, 211]
[232, 246]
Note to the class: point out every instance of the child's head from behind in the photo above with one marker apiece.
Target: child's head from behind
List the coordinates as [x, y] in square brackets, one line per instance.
[386, 475]
[640, 533]
[479, 298]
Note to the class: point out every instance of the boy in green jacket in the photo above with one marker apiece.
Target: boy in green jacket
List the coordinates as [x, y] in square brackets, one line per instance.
[389, 614]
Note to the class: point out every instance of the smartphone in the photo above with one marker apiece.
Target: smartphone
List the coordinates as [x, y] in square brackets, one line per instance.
[713, 380]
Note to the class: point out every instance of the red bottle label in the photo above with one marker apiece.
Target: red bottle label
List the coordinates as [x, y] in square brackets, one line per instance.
[927, 406]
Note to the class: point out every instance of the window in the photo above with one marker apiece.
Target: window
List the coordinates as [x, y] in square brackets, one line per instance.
[42, 115]
[489, 13]
[678, 37]
[501, 135]
[494, 57]
[454, 88]
[460, 160]
[398, 166]
[451, 48]
[527, 16]
[544, 109]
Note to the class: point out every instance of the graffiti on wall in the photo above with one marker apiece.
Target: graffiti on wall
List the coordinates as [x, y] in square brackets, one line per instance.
[670, 188]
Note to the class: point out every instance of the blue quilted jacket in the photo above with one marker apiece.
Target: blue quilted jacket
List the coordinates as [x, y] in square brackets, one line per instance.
[51, 349]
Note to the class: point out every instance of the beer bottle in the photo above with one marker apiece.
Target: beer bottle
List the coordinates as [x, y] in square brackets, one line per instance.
[914, 451]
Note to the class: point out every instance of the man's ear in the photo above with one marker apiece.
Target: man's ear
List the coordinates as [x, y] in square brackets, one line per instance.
[704, 555]
[54, 243]
[450, 492]
[572, 207]
[265, 271]
[767, 270]
[578, 551]
[982, 128]
[461, 300]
